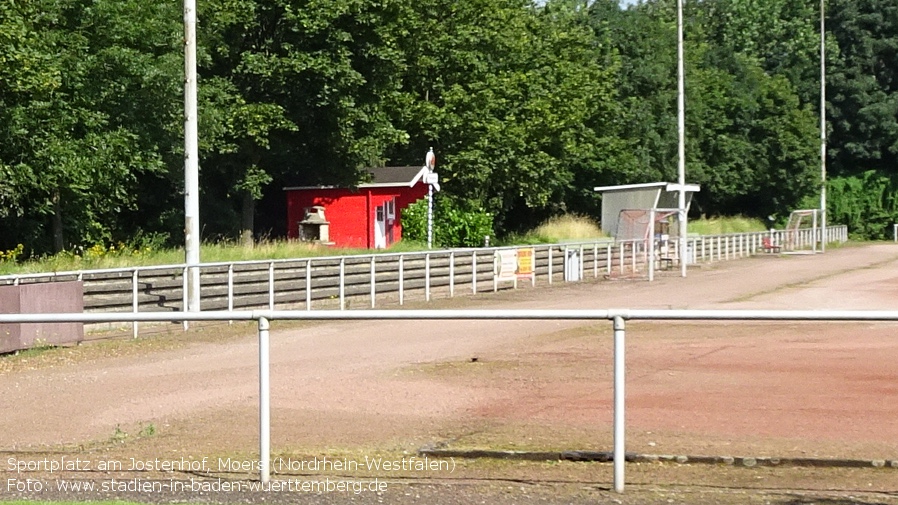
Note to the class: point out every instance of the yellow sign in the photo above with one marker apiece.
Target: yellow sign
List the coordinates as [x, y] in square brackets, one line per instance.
[525, 263]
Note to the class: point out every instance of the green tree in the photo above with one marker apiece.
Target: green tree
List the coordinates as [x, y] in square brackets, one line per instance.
[507, 94]
[863, 86]
[73, 164]
[302, 90]
[749, 139]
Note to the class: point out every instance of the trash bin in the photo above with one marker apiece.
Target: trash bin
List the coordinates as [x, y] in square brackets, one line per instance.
[572, 265]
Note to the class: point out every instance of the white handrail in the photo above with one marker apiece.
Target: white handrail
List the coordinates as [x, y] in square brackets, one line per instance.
[617, 316]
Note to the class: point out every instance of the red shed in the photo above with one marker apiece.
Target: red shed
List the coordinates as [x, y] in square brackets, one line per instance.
[366, 217]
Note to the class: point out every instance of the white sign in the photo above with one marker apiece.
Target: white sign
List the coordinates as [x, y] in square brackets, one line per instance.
[505, 265]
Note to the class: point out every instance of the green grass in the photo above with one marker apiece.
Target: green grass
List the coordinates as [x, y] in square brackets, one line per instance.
[721, 225]
[98, 258]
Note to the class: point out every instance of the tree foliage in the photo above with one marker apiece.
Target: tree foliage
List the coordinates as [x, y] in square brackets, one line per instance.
[528, 104]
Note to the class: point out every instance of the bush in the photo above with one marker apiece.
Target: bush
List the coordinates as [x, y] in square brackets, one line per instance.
[867, 203]
[453, 226]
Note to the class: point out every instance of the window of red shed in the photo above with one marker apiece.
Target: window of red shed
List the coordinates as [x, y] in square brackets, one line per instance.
[391, 209]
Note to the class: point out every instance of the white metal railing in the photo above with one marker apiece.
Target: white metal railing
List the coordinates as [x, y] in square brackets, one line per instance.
[803, 238]
[629, 256]
[618, 317]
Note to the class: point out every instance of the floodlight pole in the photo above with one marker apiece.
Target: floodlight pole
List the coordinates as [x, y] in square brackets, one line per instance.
[822, 127]
[681, 131]
[191, 161]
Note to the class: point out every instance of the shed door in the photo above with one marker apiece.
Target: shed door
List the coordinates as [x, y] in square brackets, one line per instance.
[380, 228]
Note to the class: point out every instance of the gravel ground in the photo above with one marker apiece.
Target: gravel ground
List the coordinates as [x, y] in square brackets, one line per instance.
[388, 389]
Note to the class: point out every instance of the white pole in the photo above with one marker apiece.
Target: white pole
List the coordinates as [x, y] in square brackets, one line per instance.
[342, 287]
[271, 286]
[813, 238]
[429, 216]
[373, 279]
[401, 279]
[474, 273]
[184, 295]
[430, 161]
[619, 403]
[651, 247]
[135, 307]
[681, 130]
[427, 277]
[308, 284]
[191, 160]
[451, 274]
[822, 127]
[264, 401]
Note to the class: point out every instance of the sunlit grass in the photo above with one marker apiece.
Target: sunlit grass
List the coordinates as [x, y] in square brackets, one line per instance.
[721, 225]
[560, 229]
[221, 252]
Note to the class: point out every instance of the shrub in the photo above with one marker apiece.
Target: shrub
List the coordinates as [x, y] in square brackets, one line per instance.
[867, 203]
[454, 225]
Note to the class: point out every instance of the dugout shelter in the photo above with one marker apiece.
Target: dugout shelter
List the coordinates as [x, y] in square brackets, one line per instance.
[647, 196]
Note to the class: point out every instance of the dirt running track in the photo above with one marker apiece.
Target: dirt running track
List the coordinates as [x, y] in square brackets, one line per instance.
[821, 390]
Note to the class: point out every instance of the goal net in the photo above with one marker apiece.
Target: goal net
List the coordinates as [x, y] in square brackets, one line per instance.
[637, 225]
[801, 230]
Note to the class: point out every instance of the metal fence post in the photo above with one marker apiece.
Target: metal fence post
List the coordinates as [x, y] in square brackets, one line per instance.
[608, 258]
[271, 286]
[474, 273]
[595, 261]
[342, 287]
[619, 403]
[264, 402]
[184, 296]
[451, 274]
[373, 277]
[134, 302]
[622, 258]
[309, 285]
[582, 261]
[551, 260]
[401, 278]
[231, 290]
[427, 277]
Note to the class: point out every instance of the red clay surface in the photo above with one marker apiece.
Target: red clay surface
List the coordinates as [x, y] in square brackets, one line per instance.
[789, 389]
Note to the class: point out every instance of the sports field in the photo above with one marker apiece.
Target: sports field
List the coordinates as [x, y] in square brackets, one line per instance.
[372, 392]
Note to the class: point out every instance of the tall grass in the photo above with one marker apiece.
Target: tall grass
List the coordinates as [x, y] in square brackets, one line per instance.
[560, 229]
[720, 225]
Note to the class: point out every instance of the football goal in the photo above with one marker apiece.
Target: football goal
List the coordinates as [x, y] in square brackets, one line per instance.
[801, 232]
[647, 233]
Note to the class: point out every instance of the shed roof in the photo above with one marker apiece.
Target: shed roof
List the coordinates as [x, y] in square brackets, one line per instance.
[383, 177]
[669, 186]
